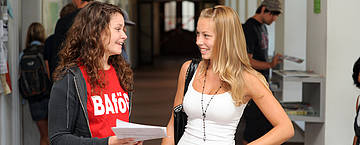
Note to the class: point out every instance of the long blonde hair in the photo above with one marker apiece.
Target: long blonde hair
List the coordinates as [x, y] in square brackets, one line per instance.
[229, 54]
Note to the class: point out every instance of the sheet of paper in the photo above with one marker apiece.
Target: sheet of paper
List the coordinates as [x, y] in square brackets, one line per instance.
[138, 131]
[293, 59]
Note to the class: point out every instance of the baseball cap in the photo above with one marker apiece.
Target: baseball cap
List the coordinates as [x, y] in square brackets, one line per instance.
[126, 18]
[272, 5]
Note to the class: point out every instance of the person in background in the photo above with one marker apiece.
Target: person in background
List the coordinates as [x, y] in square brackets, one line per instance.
[128, 22]
[67, 9]
[91, 77]
[356, 79]
[39, 107]
[256, 34]
[64, 23]
[54, 44]
[50, 46]
[222, 85]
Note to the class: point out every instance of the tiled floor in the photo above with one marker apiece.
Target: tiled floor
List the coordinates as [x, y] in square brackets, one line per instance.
[155, 90]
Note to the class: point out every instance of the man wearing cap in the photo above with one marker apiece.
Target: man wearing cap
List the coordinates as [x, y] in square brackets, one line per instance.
[128, 22]
[256, 125]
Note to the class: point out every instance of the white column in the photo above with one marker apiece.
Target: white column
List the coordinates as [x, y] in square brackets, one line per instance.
[14, 134]
[292, 33]
[342, 51]
[31, 11]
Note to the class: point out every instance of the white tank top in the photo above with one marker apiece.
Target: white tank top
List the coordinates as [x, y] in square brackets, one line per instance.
[222, 118]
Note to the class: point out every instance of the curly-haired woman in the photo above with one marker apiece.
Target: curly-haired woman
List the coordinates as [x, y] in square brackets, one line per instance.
[92, 81]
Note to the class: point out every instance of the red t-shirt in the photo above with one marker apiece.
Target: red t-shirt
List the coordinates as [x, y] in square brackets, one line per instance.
[107, 105]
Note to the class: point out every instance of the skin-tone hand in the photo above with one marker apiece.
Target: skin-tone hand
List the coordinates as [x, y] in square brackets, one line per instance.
[262, 65]
[276, 60]
[113, 140]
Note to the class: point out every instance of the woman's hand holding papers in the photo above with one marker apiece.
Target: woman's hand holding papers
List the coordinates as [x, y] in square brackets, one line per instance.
[113, 140]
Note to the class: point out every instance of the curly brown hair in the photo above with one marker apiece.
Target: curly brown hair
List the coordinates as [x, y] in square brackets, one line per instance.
[82, 47]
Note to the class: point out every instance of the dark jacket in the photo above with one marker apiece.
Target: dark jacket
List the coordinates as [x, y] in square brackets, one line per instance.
[54, 42]
[68, 117]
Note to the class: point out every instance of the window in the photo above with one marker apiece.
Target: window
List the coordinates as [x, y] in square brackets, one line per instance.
[170, 16]
[188, 13]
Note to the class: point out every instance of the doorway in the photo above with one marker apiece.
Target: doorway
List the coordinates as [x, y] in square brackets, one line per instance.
[168, 28]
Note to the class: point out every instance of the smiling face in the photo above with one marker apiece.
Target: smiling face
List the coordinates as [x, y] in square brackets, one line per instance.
[205, 36]
[115, 41]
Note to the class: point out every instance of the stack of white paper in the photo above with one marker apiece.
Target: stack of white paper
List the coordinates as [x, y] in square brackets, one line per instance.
[137, 131]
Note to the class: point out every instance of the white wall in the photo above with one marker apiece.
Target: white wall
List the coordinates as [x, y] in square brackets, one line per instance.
[316, 39]
[251, 7]
[31, 12]
[241, 10]
[294, 33]
[342, 51]
[291, 33]
[245, 8]
[10, 106]
[231, 3]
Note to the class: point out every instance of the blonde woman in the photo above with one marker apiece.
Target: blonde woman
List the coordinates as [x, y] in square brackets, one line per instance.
[222, 85]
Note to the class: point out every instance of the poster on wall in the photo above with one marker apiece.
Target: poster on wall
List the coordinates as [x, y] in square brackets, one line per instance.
[5, 88]
[4, 17]
[50, 13]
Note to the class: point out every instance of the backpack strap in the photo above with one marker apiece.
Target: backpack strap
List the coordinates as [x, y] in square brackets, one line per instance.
[357, 103]
[190, 73]
[356, 127]
[33, 49]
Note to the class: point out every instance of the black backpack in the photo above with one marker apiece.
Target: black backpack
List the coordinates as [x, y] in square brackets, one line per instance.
[34, 83]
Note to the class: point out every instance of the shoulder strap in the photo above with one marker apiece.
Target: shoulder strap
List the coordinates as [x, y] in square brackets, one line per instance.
[190, 73]
[33, 49]
[357, 103]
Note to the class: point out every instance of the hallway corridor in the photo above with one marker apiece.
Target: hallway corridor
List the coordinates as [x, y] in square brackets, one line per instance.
[155, 88]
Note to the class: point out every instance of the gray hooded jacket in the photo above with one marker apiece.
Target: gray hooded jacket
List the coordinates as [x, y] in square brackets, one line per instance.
[68, 117]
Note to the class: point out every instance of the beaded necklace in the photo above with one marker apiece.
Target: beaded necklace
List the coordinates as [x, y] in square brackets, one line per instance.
[202, 102]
